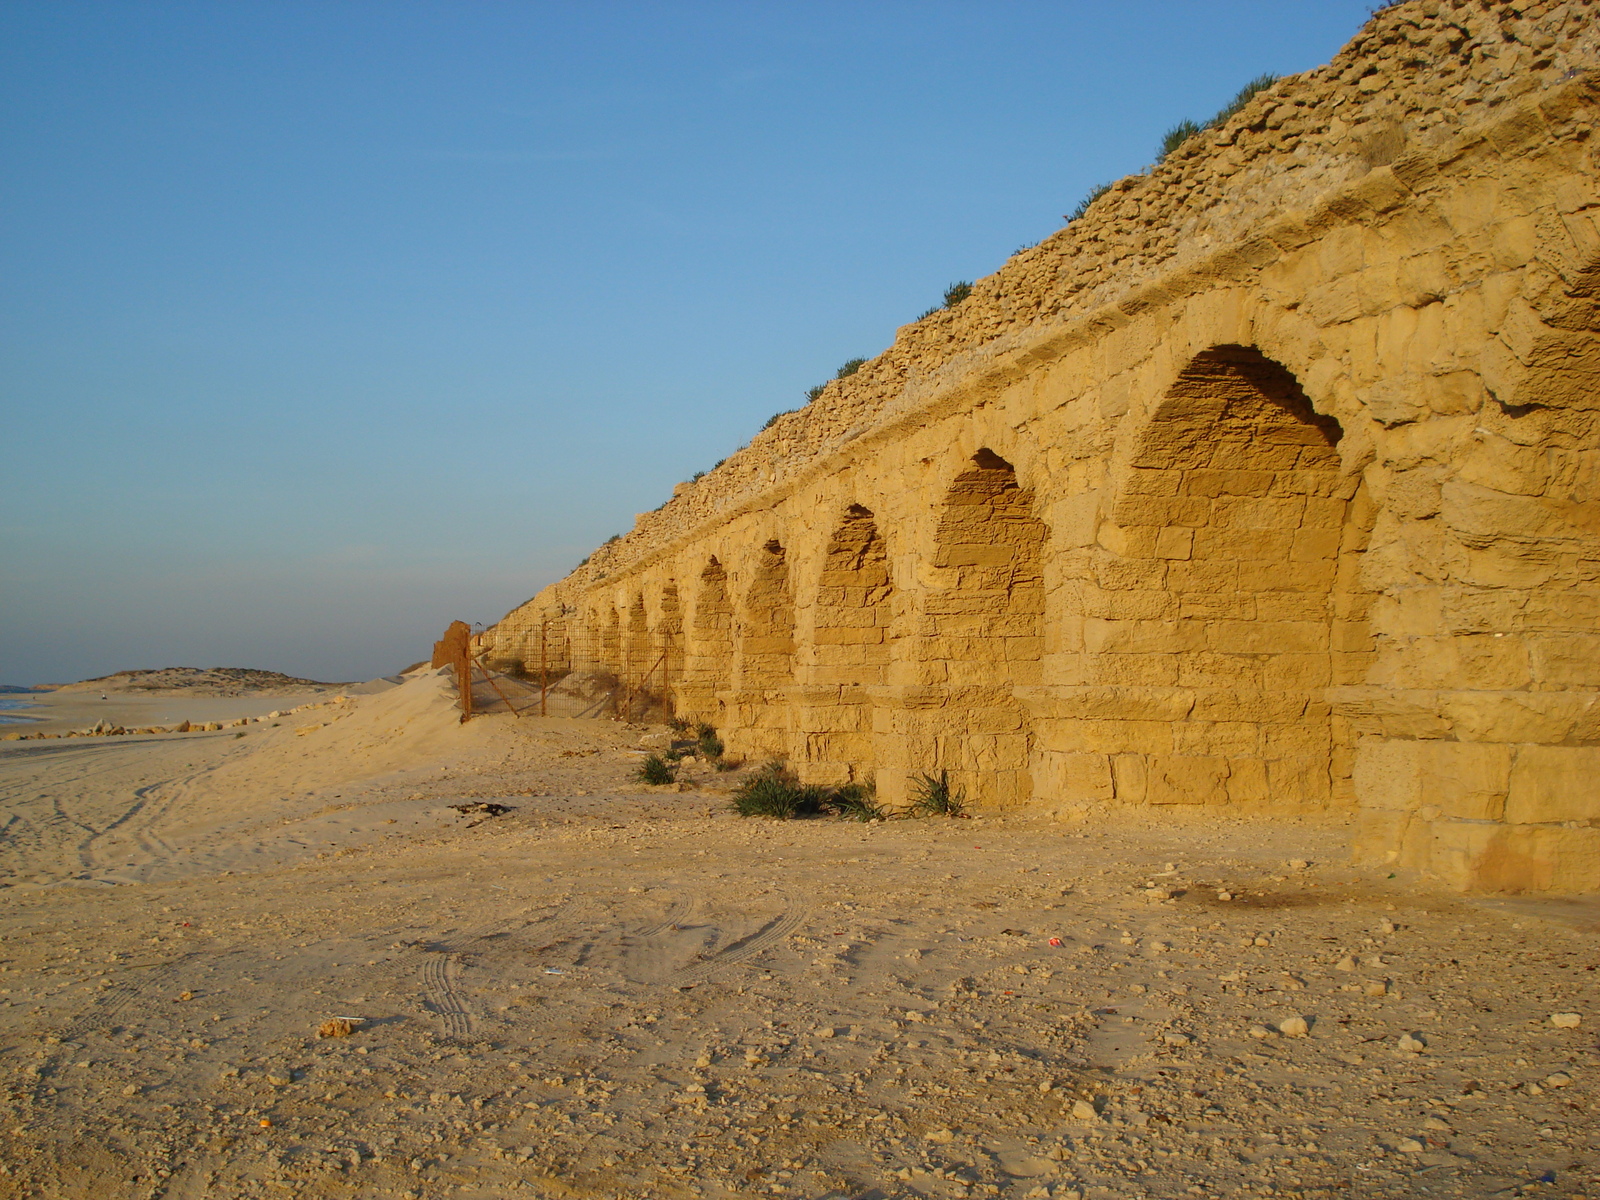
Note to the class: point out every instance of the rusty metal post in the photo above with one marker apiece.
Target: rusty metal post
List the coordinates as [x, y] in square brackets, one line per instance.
[463, 668]
[543, 670]
[667, 707]
[621, 714]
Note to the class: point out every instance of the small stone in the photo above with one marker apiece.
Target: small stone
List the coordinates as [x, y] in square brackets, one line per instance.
[338, 1027]
[1412, 1043]
[1298, 864]
[1347, 963]
[131, 1089]
[1221, 895]
[1409, 1146]
[1437, 1125]
[1558, 1079]
[1262, 1032]
[1565, 1020]
[1386, 926]
[941, 1136]
[1173, 1037]
[1263, 941]
[1294, 1027]
[1375, 987]
[1083, 1110]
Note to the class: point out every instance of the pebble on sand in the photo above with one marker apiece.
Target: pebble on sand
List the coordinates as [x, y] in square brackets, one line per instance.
[1082, 1110]
[1565, 1020]
[1412, 1043]
[1294, 1027]
[1409, 1146]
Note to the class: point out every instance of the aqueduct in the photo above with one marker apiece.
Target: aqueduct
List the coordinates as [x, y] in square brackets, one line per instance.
[1271, 482]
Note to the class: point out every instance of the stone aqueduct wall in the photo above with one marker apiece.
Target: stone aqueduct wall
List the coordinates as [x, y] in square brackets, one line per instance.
[1273, 481]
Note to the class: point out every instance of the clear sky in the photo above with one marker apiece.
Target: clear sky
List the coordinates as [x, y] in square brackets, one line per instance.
[324, 323]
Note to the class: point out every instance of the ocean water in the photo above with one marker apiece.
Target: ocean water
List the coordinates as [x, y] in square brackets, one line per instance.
[13, 701]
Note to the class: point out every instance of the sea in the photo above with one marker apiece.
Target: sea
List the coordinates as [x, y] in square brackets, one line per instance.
[14, 698]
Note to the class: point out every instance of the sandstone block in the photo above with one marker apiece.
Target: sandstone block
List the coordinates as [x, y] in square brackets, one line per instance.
[1174, 543]
[1176, 779]
[1554, 783]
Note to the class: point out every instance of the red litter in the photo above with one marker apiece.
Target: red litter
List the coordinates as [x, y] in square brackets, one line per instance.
[1055, 941]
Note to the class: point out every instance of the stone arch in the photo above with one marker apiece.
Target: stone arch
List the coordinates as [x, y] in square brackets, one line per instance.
[708, 657]
[611, 641]
[637, 651]
[764, 661]
[669, 644]
[850, 651]
[1225, 602]
[979, 636]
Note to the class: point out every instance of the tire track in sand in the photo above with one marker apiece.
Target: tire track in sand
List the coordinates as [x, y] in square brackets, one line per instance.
[444, 961]
[789, 919]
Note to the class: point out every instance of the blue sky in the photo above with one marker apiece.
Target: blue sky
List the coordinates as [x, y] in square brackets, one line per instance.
[322, 324]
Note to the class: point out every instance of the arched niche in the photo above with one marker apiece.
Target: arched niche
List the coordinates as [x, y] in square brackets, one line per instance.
[980, 636]
[1228, 603]
[850, 650]
[708, 655]
[757, 716]
[766, 625]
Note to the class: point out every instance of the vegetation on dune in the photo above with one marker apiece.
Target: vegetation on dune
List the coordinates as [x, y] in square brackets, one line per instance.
[857, 802]
[709, 744]
[932, 796]
[656, 770]
[1184, 130]
[1094, 193]
[775, 792]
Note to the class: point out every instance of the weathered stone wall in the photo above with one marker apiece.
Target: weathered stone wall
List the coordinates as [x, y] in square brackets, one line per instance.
[1272, 481]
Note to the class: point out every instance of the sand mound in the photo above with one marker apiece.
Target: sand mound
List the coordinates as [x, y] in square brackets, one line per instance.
[211, 681]
[302, 781]
[413, 725]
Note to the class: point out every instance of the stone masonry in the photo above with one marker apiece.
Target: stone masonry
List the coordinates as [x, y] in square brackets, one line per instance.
[1270, 483]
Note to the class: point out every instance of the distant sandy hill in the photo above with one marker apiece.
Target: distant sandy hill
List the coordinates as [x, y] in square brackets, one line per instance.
[214, 681]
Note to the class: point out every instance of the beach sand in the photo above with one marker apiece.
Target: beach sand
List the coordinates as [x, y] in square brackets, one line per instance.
[614, 990]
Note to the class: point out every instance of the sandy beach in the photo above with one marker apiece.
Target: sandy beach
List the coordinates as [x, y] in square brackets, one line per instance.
[617, 990]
